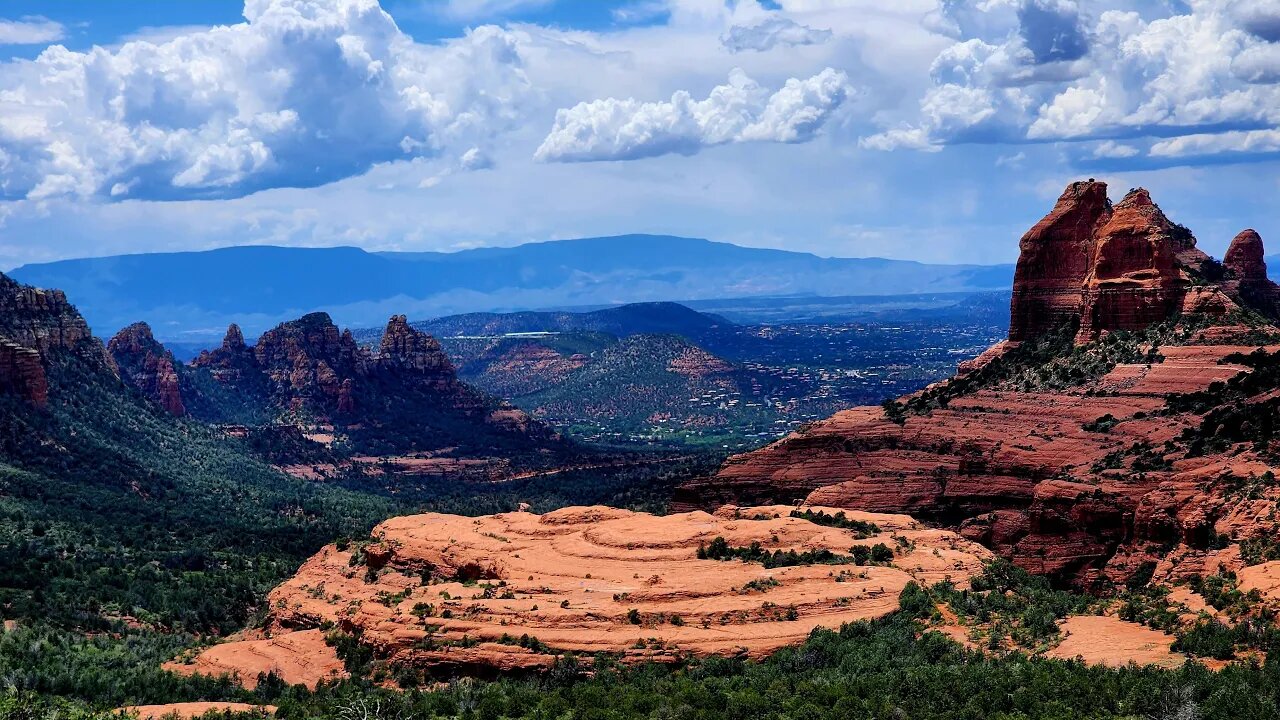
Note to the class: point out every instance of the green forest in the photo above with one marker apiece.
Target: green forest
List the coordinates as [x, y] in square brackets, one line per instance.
[128, 536]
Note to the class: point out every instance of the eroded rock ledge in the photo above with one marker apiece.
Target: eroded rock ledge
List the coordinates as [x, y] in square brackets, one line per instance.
[458, 593]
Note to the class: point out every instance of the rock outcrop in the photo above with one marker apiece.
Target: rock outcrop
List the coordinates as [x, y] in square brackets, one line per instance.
[1247, 272]
[406, 348]
[513, 591]
[146, 365]
[404, 396]
[35, 325]
[22, 374]
[1085, 465]
[42, 320]
[1134, 279]
[1053, 261]
[1126, 266]
[307, 361]
[1245, 257]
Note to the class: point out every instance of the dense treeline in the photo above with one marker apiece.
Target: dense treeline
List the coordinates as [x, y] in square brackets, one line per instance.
[112, 511]
[127, 536]
[890, 668]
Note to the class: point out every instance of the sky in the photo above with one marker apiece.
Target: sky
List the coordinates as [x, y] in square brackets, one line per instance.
[931, 130]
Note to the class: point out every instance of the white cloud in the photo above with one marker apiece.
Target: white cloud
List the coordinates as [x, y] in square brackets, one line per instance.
[1012, 161]
[1083, 70]
[772, 32]
[741, 111]
[302, 93]
[30, 31]
[1252, 141]
[1114, 150]
[1258, 64]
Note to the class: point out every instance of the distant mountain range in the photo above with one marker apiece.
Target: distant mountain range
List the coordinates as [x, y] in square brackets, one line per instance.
[193, 296]
[625, 320]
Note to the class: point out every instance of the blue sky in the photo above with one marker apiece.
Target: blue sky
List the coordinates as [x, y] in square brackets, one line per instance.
[935, 130]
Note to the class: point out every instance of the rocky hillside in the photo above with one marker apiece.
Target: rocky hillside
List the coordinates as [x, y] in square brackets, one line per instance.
[92, 472]
[515, 591]
[35, 326]
[403, 397]
[1124, 430]
[641, 388]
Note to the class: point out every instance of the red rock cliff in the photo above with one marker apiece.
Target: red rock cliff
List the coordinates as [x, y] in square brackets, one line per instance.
[405, 347]
[1077, 466]
[1133, 280]
[1121, 267]
[146, 365]
[22, 374]
[1053, 261]
[307, 361]
[36, 324]
[232, 362]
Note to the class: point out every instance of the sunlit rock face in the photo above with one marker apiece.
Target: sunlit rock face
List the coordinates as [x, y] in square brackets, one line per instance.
[1075, 463]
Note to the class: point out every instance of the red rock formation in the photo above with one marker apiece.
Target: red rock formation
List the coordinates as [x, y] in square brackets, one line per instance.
[22, 374]
[42, 320]
[586, 580]
[1054, 261]
[404, 347]
[1133, 279]
[1247, 272]
[1245, 256]
[1088, 482]
[307, 361]
[233, 362]
[34, 326]
[1105, 267]
[234, 339]
[146, 365]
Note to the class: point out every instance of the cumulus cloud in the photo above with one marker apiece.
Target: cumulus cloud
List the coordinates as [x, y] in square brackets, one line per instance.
[772, 32]
[302, 93]
[1260, 17]
[30, 31]
[741, 111]
[1078, 70]
[1114, 150]
[1202, 144]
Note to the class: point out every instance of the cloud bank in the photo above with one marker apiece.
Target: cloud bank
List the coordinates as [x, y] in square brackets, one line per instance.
[1075, 70]
[738, 112]
[300, 94]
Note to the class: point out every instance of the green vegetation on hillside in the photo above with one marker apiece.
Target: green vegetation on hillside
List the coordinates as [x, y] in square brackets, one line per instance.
[1053, 361]
[883, 669]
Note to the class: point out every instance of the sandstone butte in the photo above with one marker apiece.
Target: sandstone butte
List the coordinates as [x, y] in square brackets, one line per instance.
[1074, 466]
[455, 594]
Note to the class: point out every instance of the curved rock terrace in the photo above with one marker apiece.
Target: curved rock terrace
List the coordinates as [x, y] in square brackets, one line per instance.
[515, 590]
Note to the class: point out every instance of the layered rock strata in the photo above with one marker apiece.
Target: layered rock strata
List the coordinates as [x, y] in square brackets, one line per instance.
[1076, 466]
[458, 593]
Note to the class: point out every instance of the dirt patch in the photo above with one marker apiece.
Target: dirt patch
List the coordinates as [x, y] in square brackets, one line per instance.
[299, 658]
[1105, 640]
